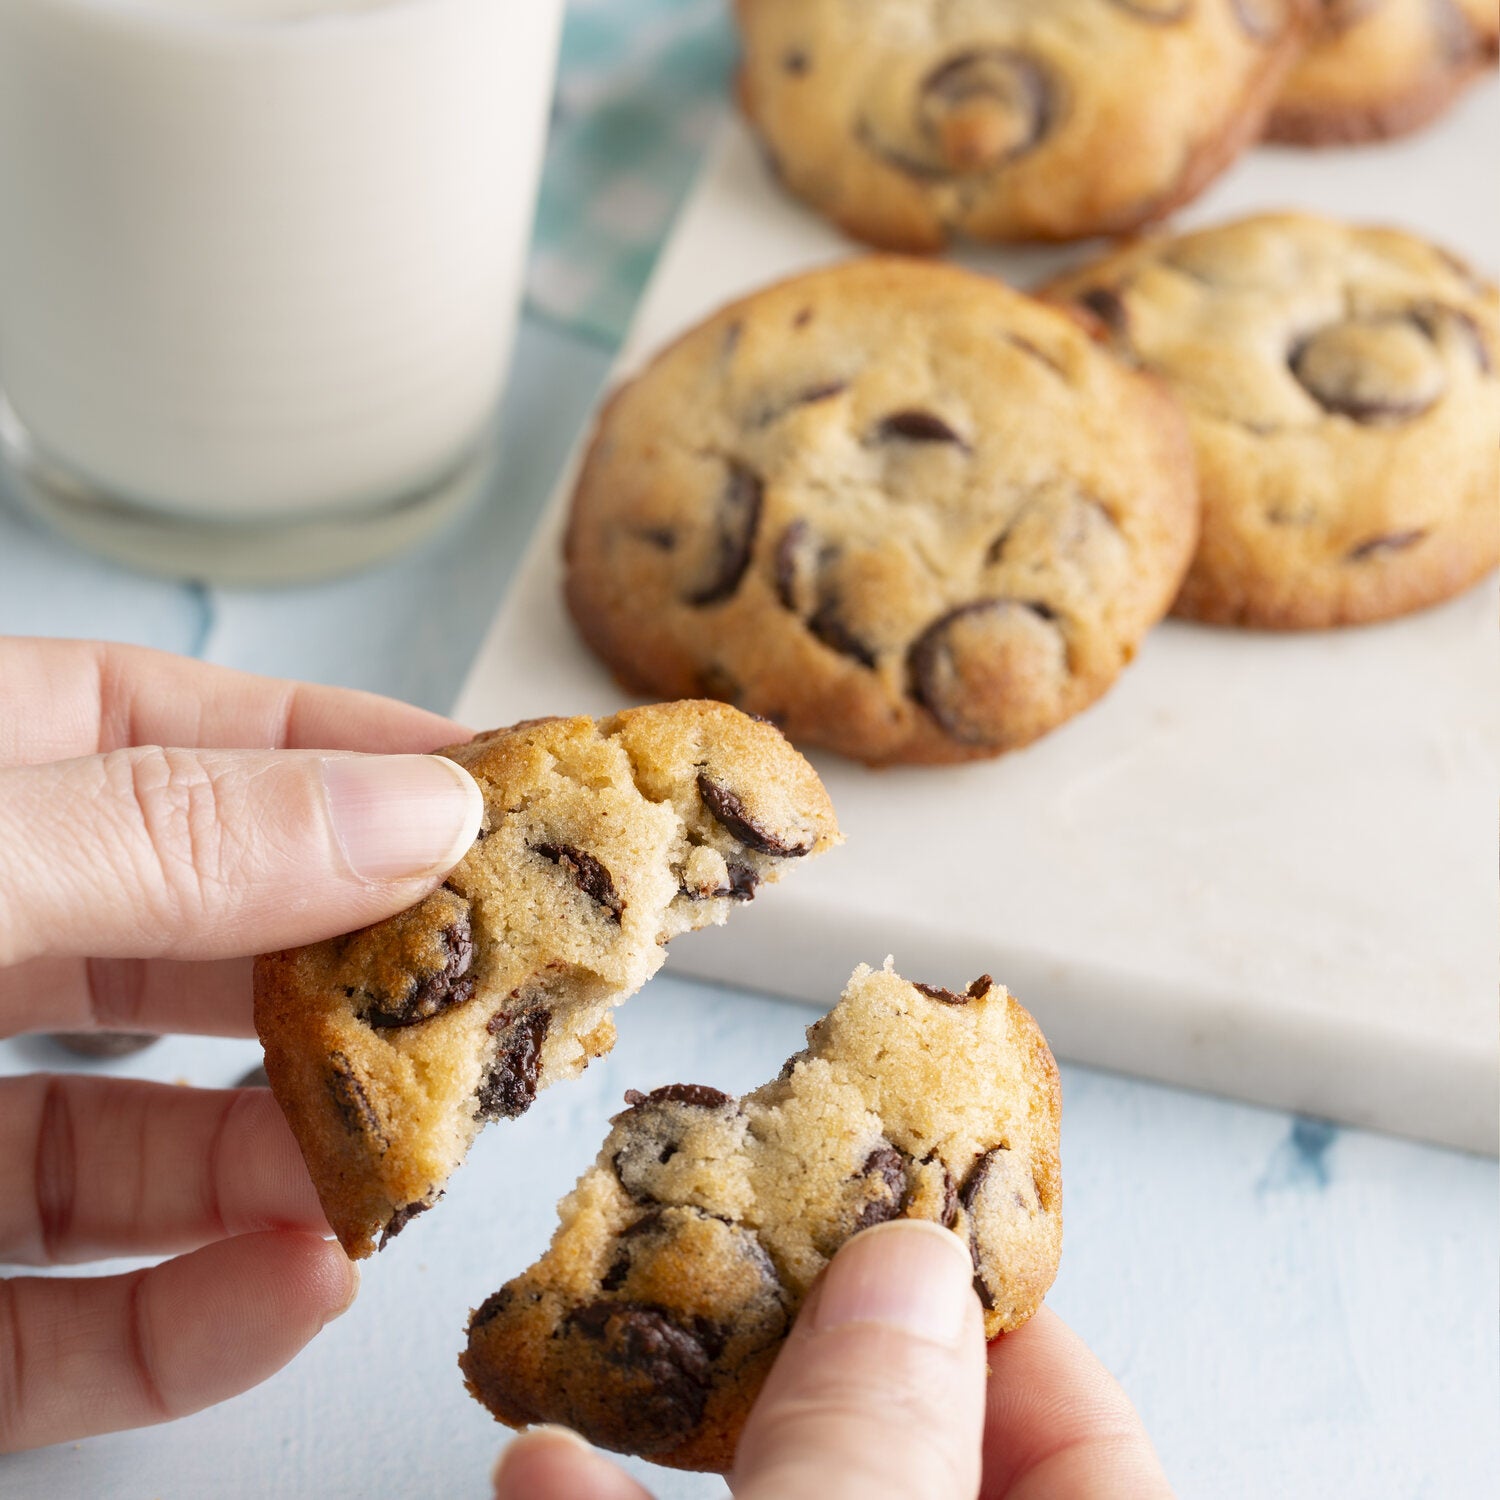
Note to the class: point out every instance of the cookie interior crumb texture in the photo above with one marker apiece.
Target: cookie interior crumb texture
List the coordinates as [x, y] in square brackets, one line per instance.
[389, 1048]
[684, 1253]
[1343, 389]
[908, 513]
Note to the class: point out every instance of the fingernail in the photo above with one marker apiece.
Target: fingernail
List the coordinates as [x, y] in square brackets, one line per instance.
[399, 817]
[908, 1274]
[544, 1431]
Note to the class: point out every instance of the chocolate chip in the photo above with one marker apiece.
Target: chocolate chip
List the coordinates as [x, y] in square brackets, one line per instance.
[917, 427]
[103, 1043]
[587, 874]
[1261, 20]
[884, 1172]
[796, 62]
[737, 519]
[984, 108]
[742, 884]
[811, 396]
[980, 639]
[1439, 321]
[796, 563]
[431, 994]
[1108, 306]
[491, 1308]
[803, 318]
[351, 1101]
[950, 1193]
[700, 1095]
[1158, 12]
[999, 1188]
[509, 1088]
[1396, 541]
[665, 1368]
[1373, 371]
[828, 626]
[730, 811]
[400, 1219]
[254, 1079]
[976, 991]
[651, 1134]
[614, 1278]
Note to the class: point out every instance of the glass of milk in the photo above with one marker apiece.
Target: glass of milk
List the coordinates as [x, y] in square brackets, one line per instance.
[260, 263]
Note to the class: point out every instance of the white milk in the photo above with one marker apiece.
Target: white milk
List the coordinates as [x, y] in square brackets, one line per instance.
[260, 259]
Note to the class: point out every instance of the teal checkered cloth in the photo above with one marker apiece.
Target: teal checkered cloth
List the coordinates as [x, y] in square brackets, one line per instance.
[642, 85]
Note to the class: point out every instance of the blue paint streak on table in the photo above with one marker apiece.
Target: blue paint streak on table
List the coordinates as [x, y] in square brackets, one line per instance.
[1297, 1310]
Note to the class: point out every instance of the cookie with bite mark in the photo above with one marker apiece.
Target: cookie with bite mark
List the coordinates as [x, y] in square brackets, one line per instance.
[685, 1252]
[390, 1048]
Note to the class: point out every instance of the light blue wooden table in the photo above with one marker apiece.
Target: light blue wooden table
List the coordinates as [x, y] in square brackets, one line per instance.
[1297, 1310]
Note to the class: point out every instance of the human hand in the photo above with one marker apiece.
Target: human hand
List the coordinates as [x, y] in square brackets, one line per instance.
[118, 861]
[880, 1394]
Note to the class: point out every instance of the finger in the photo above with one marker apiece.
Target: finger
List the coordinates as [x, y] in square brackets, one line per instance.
[1058, 1426]
[552, 1463]
[209, 854]
[95, 1355]
[879, 1392]
[211, 998]
[83, 698]
[91, 1167]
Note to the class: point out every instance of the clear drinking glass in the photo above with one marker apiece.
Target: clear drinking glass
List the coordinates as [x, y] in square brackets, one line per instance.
[260, 263]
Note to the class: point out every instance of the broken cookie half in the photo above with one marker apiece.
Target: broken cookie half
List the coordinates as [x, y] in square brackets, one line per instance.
[388, 1049]
[685, 1252]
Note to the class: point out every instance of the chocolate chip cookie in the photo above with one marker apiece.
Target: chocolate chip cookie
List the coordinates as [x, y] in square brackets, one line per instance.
[388, 1049]
[1342, 388]
[900, 509]
[913, 122]
[685, 1251]
[1378, 68]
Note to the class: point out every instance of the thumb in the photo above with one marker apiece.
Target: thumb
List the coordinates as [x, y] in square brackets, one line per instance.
[214, 853]
[879, 1393]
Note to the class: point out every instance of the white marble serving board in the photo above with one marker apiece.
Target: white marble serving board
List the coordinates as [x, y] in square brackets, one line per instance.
[1263, 865]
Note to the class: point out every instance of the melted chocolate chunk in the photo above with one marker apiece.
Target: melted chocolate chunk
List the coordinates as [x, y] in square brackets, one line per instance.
[431, 994]
[885, 1171]
[812, 396]
[1396, 541]
[588, 875]
[986, 628]
[976, 991]
[666, 1368]
[509, 1088]
[738, 518]
[1108, 306]
[828, 626]
[742, 885]
[982, 109]
[731, 812]
[349, 1098]
[652, 1134]
[796, 62]
[1374, 371]
[918, 427]
[491, 1308]
[400, 1219]
[663, 538]
[698, 1094]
